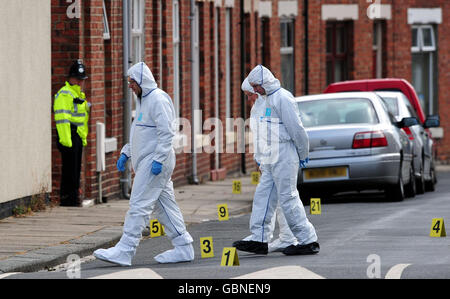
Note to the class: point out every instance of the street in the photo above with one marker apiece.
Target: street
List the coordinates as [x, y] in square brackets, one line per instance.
[361, 237]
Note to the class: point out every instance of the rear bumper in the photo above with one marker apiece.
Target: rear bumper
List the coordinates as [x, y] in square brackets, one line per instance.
[364, 172]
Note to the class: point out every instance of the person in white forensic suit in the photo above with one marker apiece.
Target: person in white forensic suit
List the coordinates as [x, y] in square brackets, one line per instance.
[282, 146]
[153, 161]
[285, 238]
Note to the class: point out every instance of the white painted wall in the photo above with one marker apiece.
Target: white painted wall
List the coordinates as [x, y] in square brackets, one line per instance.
[25, 98]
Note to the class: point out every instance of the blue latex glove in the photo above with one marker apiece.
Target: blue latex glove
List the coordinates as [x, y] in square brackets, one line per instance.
[304, 162]
[121, 162]
[156, 167]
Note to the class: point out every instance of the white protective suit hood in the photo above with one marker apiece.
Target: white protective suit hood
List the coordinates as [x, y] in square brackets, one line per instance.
[260, 75]
[152, 129]
[247, 87]
[144, 77]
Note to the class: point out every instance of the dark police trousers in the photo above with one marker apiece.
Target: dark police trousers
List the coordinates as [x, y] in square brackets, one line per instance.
[71, 169]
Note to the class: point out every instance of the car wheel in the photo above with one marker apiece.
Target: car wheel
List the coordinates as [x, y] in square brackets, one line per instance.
[430, 185]
[396, 192]
[410, 189]
[420, 182]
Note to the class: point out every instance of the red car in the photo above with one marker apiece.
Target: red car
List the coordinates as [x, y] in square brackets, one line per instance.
[426, 174]
[381, 85]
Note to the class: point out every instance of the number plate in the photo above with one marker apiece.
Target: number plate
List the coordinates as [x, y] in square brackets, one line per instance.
[325, 173]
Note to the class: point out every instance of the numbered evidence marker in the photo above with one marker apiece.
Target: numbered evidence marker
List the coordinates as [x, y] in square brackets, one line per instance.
[237, 186]
[156, 228]
[437, 228]
[206, 247]
[229, 257]
[315, 207]
[222, 211]
[255, 177]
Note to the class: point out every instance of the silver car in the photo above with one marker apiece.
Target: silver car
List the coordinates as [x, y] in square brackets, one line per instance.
[399, 105]
[355, 145]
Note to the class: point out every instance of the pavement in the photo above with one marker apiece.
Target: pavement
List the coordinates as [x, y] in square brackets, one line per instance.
[45, 239]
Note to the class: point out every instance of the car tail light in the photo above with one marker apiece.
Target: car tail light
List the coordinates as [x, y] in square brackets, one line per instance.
[369, 139]
[409, 133]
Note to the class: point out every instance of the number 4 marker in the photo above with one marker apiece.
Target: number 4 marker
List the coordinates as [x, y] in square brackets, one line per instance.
[437, 228]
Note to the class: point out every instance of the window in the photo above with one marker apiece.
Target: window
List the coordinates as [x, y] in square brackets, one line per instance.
[137, 30]
[326, 112]
[106, 34]
[424, 66]
[423, 39]
[287, 54]
[137, 35]
[339, 37]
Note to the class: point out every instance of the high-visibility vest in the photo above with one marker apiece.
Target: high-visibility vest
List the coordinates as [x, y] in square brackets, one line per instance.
[71, 108]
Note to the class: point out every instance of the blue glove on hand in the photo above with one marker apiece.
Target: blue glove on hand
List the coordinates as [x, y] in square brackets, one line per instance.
[303, 163]
[121, 162]
[156, 167]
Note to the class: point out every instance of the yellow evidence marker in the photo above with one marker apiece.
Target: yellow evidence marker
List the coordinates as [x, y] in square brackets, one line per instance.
[315, 207]
[437, 228]
[222, 211]
[237, 186]
[206, 247]
[255, 177]
[156, 228]
[229, 257]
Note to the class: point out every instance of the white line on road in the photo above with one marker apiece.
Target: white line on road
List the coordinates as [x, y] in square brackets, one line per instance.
[8, 274]
[285, 272]
[141, 273]
[396, 271]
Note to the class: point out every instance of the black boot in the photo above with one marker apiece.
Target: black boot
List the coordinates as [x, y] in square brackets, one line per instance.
[311, 248]
[251, 246]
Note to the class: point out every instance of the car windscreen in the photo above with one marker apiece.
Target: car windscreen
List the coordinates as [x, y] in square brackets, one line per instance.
[336, 112]
[392, 104]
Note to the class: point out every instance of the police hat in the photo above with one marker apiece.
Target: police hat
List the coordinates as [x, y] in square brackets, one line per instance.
[78, 70]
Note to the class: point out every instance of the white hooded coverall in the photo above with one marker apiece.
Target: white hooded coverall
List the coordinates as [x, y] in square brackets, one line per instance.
[281, 142]
[151, 137]
[286, 238]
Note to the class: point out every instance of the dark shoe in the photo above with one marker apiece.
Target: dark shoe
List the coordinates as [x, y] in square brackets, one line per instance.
[312, 248]
[251, 246]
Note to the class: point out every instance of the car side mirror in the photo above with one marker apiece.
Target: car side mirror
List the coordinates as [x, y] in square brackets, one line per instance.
[408, 122]
[432, 121]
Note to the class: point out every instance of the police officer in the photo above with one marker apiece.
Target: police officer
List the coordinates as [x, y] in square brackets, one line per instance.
[71, 117]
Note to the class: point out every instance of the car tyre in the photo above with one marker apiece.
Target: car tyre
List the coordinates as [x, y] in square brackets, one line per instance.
[420, 181]
[410, 189]
[396, 192]
[430, 185]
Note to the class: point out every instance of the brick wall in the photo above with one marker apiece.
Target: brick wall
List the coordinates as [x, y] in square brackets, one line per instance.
[65, 38]
[82, 38]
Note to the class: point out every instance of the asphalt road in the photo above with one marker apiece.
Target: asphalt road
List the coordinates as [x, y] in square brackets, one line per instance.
[361, 237]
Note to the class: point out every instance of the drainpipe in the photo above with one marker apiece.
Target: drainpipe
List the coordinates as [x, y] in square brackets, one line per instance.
[125, 181]
[306, 62]
[243, 60]
[193, 95]
[216, 89]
